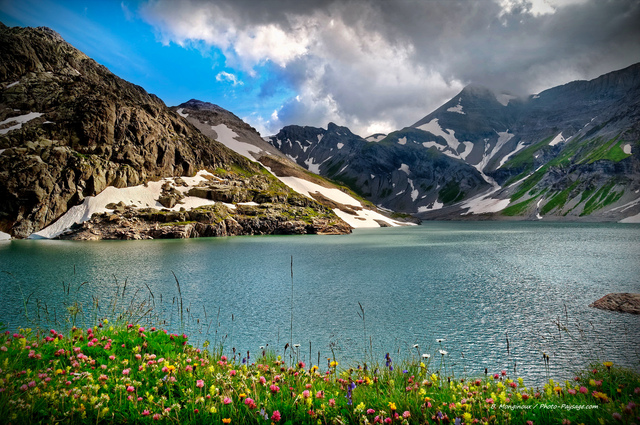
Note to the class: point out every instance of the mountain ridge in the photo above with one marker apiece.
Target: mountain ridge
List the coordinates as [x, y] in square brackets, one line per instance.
[583, 130]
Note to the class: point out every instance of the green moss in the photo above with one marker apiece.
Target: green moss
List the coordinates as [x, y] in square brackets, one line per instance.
[178, 223]
[450, 193]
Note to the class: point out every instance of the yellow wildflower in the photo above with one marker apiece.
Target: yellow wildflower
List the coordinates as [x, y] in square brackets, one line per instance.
[392, 406]
[467, 418]
[226, 420]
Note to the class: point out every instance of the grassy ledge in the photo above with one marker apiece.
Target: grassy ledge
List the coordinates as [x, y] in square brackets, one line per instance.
[126, 373]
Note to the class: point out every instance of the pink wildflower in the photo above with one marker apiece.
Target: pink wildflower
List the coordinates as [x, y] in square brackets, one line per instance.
[199, 383]
[275, 416]
[332, 402]
[584, 390]
[305, 394]
[489, 400]
[145, 412]
[274, 388]
[226, 400]
[232, 372]
[157, 417]
[130, 389]
[406, 414]
[126, 371]
[370, 411]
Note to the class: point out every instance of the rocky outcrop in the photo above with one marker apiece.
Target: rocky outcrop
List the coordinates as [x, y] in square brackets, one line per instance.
[621, 302]
[69, 128]
[208, 221]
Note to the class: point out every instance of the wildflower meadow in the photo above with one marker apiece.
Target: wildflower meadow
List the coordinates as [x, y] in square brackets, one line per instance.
[127, 373]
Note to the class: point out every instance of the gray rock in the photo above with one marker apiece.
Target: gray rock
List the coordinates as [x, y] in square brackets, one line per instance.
[620, 302]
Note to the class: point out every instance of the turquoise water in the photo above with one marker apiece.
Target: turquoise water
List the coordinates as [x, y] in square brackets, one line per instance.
[474, 285]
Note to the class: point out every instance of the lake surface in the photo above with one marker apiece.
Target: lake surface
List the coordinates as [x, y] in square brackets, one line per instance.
[472, 284]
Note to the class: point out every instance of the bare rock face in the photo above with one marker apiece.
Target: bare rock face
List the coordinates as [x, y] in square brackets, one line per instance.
[69, 128]
[621, 302]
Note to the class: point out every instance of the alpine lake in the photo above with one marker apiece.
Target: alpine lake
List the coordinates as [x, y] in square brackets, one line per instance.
[494, 295]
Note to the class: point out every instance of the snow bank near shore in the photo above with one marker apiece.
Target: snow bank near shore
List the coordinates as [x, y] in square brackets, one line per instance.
[140, 196]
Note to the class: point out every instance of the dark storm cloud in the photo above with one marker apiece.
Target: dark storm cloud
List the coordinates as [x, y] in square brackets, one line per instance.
[380, 65]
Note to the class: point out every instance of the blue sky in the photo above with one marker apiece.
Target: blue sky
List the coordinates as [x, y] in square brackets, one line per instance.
[371, 65]
[113, 34]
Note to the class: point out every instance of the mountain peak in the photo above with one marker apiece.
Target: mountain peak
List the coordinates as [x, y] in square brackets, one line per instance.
[199, 105]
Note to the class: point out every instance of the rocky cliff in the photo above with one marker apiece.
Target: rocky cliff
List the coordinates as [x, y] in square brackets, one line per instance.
[69, 128]
[397, 176]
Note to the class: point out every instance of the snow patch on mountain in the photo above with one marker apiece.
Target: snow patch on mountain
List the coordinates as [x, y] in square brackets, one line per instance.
[414, 191]
[339, 145]
[468, 146]
[503, 138]
[435, 206]
[363, 218]
[183, 115]
[20, 120]
[518, 148]
[402, 141]
[228, 137]
[311, 166]
[449, 135]
[457, 108]
[140, 196]
[375, 138]
[627, 149]
[405, 168]
[556, 140]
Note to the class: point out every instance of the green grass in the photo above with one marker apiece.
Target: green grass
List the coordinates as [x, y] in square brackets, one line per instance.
[524, 159]
[518, 208]
[603, 197]
[529, 183]
[559, 199]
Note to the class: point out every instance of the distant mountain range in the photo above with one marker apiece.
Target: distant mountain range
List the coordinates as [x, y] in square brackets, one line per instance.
[568, 153]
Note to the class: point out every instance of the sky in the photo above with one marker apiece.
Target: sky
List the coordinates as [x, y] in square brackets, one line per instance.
[374, 66]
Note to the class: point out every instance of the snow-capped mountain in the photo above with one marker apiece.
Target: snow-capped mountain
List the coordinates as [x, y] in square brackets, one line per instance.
[225, 127]
[569, 152]
[389, 171]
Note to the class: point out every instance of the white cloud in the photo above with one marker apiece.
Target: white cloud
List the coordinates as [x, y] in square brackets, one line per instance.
[375, 66]
[226, 76]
